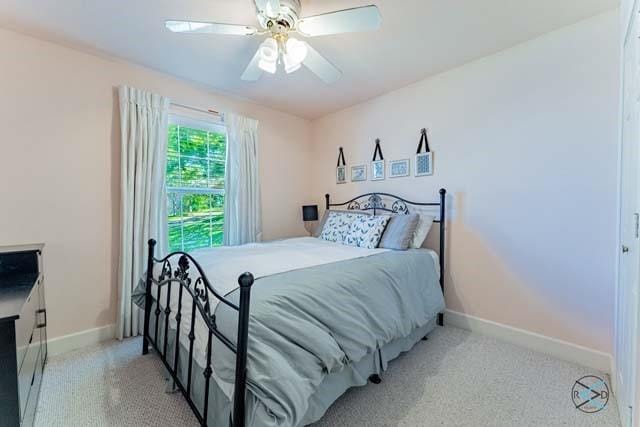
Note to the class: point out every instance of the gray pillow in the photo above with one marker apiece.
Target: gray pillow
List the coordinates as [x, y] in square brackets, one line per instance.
[318, 231]
[399, 232]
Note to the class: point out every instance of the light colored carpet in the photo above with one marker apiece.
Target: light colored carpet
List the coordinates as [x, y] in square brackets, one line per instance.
[456, 378]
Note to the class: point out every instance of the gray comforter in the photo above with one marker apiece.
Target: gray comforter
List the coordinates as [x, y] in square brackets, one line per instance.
[308, 323]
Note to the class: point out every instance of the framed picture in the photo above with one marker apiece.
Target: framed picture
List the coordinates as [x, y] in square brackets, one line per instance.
[424, 164]
[377, 170]
[358, 173]
[341, 175]
[398, 168]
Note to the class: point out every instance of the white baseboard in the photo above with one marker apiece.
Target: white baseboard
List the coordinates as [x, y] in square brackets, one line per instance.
[67, 343]
[551, 346]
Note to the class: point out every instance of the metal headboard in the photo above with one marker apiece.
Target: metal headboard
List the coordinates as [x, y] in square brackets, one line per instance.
[385, 202]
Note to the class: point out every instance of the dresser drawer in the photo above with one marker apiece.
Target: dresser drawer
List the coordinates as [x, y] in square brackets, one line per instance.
[28, 368]
[26, 323]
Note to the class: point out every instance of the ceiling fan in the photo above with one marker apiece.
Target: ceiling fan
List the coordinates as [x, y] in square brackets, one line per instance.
[279, 19]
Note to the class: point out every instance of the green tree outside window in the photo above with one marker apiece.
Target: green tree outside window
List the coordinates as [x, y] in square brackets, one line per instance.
[195, 187]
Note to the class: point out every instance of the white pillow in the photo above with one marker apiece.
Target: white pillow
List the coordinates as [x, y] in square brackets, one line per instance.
[424, 225]
[366, 231]
[325, 215]
[337, 226]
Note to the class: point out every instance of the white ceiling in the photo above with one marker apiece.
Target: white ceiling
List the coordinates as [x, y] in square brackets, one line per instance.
[418, 38]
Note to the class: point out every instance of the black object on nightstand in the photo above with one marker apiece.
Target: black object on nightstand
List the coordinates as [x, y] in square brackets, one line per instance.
[23, 333]
[310, 217]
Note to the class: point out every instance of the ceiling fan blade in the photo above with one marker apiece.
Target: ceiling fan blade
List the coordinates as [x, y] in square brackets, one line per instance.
[366, 18]
[270, 8]
[209, 28]
[253, 72]
[320, 66]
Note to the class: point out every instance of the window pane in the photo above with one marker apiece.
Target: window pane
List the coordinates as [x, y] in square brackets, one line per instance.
[196, 233]
[172, 144]
[195, 159]
[194, 172]
[173, 171]
[217, 223]
[216, 175]
[217, 201]
[175, 221]
[193, 142]
[218, 146]
[175, 236]
[197, 211]
[174, 207]
[195, 220]
[196, 205]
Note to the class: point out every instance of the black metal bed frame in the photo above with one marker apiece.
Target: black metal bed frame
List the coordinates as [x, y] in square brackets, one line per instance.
[201, 289]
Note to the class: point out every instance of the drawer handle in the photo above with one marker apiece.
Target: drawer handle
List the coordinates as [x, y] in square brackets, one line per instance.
[33, 377]
[42, 325]
[31, 338]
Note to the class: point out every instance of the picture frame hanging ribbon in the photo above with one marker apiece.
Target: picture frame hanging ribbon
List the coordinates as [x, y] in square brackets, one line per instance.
[341, 168]
[377, 166]
[423, 161]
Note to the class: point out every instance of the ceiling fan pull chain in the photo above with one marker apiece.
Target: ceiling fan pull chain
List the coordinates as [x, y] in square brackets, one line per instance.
[425, 139]
[377, 151]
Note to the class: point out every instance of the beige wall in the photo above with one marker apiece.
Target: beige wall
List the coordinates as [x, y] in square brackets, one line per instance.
[59, 167]
[526, 143]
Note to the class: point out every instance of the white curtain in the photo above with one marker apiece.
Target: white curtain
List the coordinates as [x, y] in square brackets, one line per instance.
[242, 203]
[143, 205]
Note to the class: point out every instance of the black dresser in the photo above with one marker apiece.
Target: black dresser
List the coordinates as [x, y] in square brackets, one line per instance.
[23, 333]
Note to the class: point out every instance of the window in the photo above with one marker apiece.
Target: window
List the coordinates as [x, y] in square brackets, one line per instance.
[196, 155]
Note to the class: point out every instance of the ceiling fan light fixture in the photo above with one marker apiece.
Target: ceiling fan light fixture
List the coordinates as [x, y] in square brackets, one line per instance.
[269, 67]
[290, 66]
[268, 56]
[297, 49]
[296, 52]
[269, 50]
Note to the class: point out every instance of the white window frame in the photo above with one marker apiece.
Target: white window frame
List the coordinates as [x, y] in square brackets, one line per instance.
[200, 124]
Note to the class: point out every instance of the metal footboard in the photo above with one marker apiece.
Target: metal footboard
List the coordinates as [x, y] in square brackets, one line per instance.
[200, 290]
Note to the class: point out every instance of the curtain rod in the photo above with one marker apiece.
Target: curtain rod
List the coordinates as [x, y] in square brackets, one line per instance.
[200, 110]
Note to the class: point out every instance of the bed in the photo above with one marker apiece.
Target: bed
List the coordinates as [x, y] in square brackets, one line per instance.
[276, 346]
